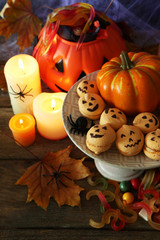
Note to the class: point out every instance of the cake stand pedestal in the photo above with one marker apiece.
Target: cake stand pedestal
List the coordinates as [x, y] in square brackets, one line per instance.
[116, 173]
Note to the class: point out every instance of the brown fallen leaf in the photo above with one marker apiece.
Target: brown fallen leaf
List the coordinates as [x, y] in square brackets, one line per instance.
[19, 18]
[54, 176]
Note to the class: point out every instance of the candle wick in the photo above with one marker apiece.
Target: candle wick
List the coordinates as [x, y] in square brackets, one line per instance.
[53, 104]
[21, 123]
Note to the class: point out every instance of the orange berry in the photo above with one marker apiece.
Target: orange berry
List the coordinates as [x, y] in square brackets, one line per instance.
[128, 197]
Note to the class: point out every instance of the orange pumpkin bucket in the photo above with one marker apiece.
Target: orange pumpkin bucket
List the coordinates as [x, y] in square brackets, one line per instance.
[75, 41]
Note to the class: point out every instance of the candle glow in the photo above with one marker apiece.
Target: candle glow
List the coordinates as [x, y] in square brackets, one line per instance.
[20, 63]
[23, 82]
[22, 126]
[21, 123]
[47, 109]
[53, 104]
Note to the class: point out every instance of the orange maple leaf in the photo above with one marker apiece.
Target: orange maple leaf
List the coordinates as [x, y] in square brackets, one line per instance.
[54, 176]
[19, 18]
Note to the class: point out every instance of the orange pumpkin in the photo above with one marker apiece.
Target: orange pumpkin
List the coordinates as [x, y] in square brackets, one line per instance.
[131, 82]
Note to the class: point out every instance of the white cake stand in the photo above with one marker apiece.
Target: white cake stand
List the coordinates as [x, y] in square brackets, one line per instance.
[116, 173]
[111, 164]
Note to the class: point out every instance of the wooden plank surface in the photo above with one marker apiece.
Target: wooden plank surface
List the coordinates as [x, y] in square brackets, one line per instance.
[19, 220]
[75, 234]
[16, 212]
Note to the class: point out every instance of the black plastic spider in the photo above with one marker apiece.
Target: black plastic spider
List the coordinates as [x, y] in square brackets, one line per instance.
[80, 125]
[56, 174]
[21, 94]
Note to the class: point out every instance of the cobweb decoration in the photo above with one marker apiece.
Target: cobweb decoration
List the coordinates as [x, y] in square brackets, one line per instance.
[143, 16]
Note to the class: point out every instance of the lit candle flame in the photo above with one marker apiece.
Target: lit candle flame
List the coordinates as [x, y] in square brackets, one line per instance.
[20, 63]
[21, 122]
[53, 103]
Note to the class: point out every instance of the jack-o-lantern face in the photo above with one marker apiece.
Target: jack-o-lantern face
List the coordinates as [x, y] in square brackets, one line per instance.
[98, 131]
[114, 117]
[152, 145]
[91, 105]
[100, 138]
[147, 122]
[129, 140]
[87, 86]
[63, 64]
[152, 140]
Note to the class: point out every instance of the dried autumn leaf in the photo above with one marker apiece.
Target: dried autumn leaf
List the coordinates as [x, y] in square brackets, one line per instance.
[19, 18]
[54, 176]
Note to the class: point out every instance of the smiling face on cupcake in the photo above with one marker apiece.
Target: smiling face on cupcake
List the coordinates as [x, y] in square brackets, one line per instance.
[147, 122]
[99, 131]
[91, 105]
[100, 138]
[87, 86]
[130, 140]
[114, 117]
[152, 145]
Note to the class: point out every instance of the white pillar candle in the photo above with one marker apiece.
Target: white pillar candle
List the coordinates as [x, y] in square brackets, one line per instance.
[47, 109]
[23, 82]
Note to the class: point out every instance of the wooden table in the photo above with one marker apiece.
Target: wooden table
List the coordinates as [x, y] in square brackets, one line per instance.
[19, 220]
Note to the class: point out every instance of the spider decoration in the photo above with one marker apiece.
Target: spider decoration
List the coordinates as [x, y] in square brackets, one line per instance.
[21, 94]
[57, 174]
[80, 125]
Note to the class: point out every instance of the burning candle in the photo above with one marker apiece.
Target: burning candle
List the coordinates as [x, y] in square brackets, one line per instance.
[23, 82]
[47, 109]
[22, 126]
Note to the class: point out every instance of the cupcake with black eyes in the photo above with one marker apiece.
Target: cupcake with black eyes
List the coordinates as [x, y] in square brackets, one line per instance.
[100, 138]
[87, 86]
[129, 140]
[114, 117]
[152, 145]
[146, 121]
[91, 105]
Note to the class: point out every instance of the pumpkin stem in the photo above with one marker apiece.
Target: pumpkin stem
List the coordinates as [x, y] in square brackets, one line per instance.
[126, 63]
